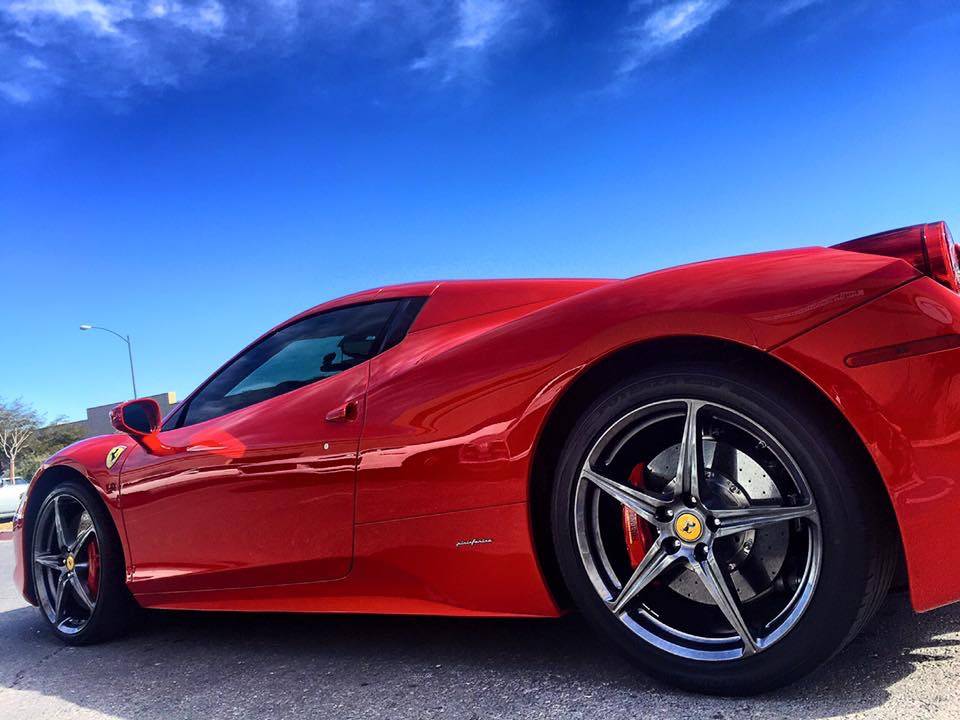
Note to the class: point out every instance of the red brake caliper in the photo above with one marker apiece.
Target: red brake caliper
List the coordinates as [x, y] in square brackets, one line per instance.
[636, 531]
[93, 567]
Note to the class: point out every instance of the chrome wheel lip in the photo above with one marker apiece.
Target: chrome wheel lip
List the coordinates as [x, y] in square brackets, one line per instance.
[641, 621]
[57, 570]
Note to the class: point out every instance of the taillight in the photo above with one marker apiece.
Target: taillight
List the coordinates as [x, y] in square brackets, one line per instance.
[929, 248]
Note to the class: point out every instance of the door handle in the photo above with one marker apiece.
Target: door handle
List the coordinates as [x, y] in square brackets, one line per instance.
[345, 413]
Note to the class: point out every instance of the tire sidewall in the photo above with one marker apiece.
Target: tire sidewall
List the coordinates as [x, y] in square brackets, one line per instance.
[833, 610]
[109, 612]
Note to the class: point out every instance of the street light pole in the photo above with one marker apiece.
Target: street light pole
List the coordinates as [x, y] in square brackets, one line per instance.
[133, 379]
[126, 339]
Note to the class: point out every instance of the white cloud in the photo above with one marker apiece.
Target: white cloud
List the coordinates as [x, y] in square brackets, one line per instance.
[481, 21]
[206, 18]
[662, 25]
[104, 48]
[112, 48]
[789, 7]
[478, 28]
[101, 17]
[109, 17]
[34, 63]
[15, 93]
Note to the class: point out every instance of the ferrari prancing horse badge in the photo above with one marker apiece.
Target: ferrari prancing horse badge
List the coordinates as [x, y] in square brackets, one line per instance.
[114, 455]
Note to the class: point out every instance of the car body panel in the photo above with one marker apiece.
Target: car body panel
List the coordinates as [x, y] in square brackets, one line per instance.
[234, 480]
[412, 566]
[463, 299]
[87, 459]
[452, 416]
[453, 420]
[905, 411]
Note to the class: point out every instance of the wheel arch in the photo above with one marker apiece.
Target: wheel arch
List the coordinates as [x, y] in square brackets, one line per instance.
[618, 364]
[47, 480]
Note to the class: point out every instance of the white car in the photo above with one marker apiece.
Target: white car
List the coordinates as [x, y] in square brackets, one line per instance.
[10, 493]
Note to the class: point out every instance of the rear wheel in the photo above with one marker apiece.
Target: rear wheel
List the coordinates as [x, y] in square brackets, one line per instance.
[78, 567]
[711, 525]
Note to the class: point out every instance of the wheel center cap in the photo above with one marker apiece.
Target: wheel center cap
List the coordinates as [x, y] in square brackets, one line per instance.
[688, 527]
[70, 563]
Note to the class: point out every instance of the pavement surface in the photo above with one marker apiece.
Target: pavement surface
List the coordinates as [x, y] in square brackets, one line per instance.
[200, 665]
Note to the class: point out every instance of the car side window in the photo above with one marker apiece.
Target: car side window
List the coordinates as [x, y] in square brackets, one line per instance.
[299, 354]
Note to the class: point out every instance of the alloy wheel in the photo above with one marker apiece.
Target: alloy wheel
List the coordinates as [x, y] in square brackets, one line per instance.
[697, 529]
[66, 561]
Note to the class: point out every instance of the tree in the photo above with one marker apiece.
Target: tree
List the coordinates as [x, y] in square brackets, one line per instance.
[18, 423]
[45, 442]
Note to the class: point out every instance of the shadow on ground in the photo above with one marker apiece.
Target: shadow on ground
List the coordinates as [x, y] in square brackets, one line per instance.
[180, 664]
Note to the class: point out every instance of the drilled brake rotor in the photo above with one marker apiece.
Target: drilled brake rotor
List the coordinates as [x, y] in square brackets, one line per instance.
[732, 480]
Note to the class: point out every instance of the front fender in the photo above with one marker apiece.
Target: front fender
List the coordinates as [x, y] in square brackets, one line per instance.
[84, 460]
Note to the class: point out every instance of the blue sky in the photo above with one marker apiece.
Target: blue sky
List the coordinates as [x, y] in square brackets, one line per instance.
[192, 173]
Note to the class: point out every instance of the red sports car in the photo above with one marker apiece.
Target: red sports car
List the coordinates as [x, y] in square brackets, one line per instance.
[722, 466]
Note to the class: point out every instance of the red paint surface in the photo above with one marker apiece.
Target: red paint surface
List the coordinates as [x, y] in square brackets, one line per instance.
[927, 247]
[907, 412]
[390, 509]
[260, 496]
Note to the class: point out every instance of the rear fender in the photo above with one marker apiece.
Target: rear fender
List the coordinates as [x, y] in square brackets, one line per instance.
[455, 411]
[906, 412]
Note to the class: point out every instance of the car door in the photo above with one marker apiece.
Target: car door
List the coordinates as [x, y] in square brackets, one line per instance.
[254, 484]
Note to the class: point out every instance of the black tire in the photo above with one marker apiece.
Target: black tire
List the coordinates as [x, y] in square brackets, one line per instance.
[859, 555]
[114, 606]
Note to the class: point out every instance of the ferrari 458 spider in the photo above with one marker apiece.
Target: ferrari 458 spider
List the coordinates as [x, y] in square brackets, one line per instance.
[722, 466]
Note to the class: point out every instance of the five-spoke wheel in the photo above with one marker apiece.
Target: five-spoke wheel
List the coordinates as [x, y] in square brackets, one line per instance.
[77, 566]
[719, 525]
[723, 501]
[67, 563]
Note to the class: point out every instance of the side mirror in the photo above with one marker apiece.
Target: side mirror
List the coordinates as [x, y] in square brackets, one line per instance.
[137, 418]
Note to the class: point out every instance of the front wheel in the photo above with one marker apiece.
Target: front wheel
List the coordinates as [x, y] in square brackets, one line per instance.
[78, 567]
[718, 530]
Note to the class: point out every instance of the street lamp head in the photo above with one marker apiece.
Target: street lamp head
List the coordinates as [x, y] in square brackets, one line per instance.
[129, 349]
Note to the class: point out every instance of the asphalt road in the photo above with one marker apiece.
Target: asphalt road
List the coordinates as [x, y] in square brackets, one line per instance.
[180, 665]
